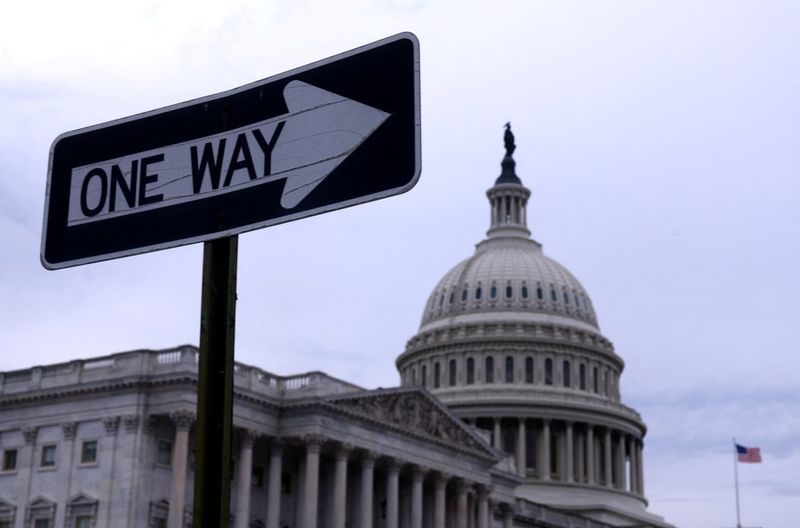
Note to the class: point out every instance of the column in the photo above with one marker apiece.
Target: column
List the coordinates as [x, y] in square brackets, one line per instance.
[621, 481]
[590, 465]
[483, 507]
[247, 438]
[544, 473]
[367, 477]
[497, 441]
[570, 454]
[639, 467]
[580, 460]
[180, 456]
[340, 485]
[417, 473]
[392, 494]
[439, 500]
[274, 484]
[607, 457]
[106, 459]
[632, 467]
[461, 503]
[65, 467]
[313, 443]
[522, 468]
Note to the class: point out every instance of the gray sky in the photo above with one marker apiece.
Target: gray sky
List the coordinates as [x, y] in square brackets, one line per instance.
[659, 138]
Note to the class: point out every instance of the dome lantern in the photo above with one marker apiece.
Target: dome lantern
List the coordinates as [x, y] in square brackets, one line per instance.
[508, 197]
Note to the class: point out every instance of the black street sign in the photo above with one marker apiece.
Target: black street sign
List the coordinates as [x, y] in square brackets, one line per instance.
[339, 132]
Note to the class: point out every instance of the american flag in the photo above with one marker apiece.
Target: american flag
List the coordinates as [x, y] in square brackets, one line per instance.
[748, 454]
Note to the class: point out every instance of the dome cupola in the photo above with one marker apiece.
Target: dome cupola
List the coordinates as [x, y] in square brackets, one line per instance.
[509, 275]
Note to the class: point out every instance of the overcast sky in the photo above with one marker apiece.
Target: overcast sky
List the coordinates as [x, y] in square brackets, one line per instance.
[659, 139]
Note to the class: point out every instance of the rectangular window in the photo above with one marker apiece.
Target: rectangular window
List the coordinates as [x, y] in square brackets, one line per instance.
[9, 460]
[89, 452]
[84, 521]
[257, 479]
[164, 454]
[5, 524]
[41, 523]
[48, 458]
[158, 522]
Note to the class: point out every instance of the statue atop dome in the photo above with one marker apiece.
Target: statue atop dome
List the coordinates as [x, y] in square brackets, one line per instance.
[508, 139]
[508, 164]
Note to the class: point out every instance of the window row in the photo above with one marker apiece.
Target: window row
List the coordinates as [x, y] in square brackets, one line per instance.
[80, 512]
[587, 378]
[507, 291]
[47, 455]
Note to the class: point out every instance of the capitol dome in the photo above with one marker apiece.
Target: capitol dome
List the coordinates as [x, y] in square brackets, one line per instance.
[509, 341]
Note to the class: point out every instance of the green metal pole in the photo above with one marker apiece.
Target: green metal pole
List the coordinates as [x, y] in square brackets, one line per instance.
[212, 479]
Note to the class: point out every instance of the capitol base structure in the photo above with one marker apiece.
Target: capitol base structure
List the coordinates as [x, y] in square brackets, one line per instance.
[509, 414]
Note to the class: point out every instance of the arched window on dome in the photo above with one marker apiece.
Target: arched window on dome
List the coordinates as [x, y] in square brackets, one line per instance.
[566, 374]
[436, 375]
[566, 297]
[489, 374]
[509, 369]
[509, 291]
[464, 293]
[451, 382]
[539, 292]
[577, 299]
[548, 371]
[553, 296]
[478, 293]
[424, 377]
[582, 376]
[595, 380]
[493, 291]
[452, 295]
[413, 376]
[470, 371]
[524, 291]
[529, 369]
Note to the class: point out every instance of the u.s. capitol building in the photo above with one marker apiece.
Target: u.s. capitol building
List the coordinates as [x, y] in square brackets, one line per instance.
[508, 414]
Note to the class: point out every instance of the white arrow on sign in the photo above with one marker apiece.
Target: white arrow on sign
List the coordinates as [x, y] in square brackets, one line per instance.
[303, 147]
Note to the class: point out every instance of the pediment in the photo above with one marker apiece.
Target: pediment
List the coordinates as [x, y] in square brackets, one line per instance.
[82, 499]
[41, 502]
[414, 411]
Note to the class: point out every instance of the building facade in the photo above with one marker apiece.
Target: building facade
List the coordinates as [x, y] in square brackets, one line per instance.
[508, 415]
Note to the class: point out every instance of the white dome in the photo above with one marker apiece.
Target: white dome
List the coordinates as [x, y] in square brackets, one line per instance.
[509, 277]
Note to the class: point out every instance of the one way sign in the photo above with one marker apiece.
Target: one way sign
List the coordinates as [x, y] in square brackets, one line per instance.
[332, 134]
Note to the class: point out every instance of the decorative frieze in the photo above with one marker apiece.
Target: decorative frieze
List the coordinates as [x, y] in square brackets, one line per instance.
[182, 419]
[247, 437]
[111, 425]
[69, 429]
[131, 422]
[313, 441]
[30, 434]
[412, 412]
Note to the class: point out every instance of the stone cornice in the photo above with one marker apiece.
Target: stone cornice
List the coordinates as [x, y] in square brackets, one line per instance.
[520, 343]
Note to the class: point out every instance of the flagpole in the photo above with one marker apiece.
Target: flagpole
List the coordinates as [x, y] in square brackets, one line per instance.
[736, 479]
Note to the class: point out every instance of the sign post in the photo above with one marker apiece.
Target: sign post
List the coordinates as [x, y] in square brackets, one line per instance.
[212, 480]
[336, 133]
